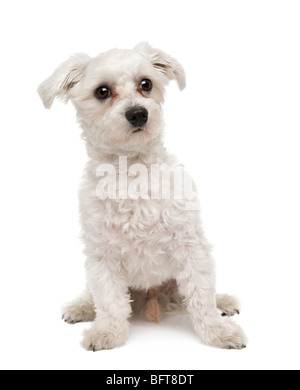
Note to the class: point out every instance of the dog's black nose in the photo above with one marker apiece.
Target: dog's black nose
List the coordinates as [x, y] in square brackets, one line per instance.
[137, 116]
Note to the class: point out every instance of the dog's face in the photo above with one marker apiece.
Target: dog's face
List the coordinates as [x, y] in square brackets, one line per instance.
[117, 95]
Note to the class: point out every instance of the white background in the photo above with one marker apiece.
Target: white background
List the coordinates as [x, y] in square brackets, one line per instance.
[235, 127]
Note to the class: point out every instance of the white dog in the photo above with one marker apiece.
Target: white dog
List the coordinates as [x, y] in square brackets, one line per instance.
[145, 252]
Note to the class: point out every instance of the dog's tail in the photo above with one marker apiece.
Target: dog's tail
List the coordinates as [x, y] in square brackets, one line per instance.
[153, 303]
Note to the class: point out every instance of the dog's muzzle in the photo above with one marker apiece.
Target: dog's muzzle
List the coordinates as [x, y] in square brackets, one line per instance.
[137, 116]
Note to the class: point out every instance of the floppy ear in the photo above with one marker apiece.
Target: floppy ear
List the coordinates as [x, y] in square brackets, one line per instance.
[63, 79]
[166, 64]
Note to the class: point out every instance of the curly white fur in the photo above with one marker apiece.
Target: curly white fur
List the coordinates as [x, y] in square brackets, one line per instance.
[134, 246]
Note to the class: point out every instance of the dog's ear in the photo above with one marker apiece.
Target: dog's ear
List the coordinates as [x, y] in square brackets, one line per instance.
[63, 79]
[166, 64]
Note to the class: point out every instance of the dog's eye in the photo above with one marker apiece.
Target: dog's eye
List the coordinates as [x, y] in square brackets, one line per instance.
[146, 85]
[103, 92]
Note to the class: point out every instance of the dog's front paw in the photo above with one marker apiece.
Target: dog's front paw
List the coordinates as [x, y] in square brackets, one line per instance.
[229, 335]
[224, 333]
[97, 338]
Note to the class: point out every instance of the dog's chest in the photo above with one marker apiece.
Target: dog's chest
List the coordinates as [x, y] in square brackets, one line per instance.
[132, 226]
[136, 222]
[139, 235]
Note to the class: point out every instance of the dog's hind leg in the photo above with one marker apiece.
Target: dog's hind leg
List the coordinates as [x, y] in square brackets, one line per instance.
[228, 305]
[80, 310]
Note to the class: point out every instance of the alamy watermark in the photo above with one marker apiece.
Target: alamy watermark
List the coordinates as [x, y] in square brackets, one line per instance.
[138, 181]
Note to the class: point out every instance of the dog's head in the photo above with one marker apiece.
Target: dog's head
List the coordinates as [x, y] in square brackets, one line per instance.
[117, 95]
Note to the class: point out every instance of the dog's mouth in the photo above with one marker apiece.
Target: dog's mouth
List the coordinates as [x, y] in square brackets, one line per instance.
[138, 130]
